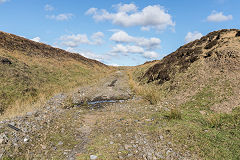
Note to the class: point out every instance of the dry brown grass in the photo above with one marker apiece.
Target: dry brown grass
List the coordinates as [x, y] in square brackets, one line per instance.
[148, 92]
[30, 80]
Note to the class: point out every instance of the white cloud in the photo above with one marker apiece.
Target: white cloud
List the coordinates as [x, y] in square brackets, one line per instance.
[149, 43]
[89, 54]
[36, 39]
[218, 17]
[126, 49]
[75, 40]
[3, 1]
[192, 36]
[60, 17]
[126, 7]
[150, 54]
[119, 48]
[92, 55]
[113, 64]
[123, 37]
[127, 15]
[97, 38]
[48, 7]
[91, 11]
[128, 44]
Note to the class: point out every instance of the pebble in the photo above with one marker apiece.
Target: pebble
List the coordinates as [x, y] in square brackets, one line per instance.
[126, 146]
[93, 157]
[43, 147]
[25, 139]
[1, 140]
[60, 143]
[130, 155]
[169, 151]
[161, 137]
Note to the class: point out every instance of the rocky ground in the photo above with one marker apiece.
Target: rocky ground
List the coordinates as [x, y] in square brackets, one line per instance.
[102, 121]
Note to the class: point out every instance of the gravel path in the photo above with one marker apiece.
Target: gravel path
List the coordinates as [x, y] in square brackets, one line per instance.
[70, 127]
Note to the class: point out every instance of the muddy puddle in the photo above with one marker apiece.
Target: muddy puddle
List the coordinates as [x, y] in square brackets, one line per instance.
[99, 104]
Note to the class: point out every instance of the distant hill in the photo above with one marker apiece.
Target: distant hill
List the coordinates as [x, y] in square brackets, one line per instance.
[11, 42]
[211, 64]
[30, 70]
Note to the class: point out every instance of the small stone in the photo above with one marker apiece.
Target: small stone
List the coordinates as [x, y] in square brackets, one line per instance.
[161, 137]
[119, 135]
[12, 123]
[144, 157]
[203, 112]
[43, 147]
[29, 113]
[1, 153]
[169, 151]
[93, 157]
[1, 140]
[25, 139]
[25, 130]
[130, 155]
[159, 155]
[126, 146]
[60, 143]
[111, 142]
[149, 154]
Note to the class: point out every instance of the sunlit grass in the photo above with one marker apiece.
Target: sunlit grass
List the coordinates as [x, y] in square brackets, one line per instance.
[30, 80]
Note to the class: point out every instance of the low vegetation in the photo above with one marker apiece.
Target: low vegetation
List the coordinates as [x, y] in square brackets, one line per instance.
[192, 124]
[31, 72]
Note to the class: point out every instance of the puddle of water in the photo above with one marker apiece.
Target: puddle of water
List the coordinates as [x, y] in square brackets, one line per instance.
[99, 104]
[103, 101]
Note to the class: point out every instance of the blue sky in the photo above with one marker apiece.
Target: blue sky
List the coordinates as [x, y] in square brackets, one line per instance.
[117, 32]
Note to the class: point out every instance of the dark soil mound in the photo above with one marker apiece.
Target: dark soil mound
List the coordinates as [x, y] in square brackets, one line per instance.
[217, 47]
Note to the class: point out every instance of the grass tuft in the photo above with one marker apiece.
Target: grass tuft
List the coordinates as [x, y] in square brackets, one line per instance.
[174, 114]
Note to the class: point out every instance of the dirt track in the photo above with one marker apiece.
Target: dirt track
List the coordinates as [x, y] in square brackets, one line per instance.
[118, 129]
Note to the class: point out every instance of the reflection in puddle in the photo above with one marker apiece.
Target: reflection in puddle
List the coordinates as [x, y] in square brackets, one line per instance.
[99, 104]
[103, 101]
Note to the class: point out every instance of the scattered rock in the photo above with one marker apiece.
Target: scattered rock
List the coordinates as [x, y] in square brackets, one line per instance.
[169, 151]
[29, 113]
[111, 142]
[60, 143]
[26, 139]
[6, 61]
[93, 157]
[203, 112]
[43, 146]
[161, 137]
[126, 146]
[1, 140]
[1, 153]
[130, 155]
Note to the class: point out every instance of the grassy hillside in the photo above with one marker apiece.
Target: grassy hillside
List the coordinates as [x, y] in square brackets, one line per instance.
[31, 72]
[197, 89]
